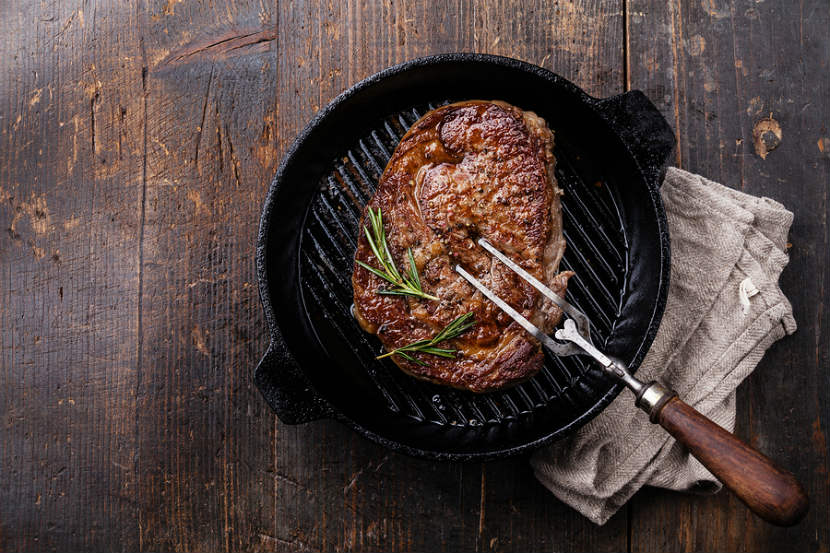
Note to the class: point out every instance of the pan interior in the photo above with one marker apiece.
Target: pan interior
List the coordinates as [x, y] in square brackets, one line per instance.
[613, 245]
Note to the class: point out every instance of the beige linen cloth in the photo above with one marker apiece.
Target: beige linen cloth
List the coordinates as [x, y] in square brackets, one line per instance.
[711, 337]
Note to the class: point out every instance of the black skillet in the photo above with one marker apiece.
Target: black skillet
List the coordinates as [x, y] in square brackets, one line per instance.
[611, 155]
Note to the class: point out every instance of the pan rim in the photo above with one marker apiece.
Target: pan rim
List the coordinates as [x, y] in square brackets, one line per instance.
[315, 123]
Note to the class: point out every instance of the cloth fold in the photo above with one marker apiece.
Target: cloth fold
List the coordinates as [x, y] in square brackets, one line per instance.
[708, 342]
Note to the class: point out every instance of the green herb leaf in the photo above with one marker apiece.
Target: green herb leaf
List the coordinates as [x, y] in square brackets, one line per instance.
[402, 286]
[457, 327]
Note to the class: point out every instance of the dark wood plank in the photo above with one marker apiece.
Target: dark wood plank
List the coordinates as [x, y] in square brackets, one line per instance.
[204, 435]
[70, 199]
[137, 145]
[717, 70]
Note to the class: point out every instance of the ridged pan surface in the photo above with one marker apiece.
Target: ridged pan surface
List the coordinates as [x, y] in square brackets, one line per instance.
[616, 244]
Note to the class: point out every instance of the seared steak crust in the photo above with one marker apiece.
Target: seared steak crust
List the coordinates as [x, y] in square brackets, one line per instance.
[463, 171]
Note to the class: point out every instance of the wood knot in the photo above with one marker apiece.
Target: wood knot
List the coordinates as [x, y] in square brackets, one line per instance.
[766, 136]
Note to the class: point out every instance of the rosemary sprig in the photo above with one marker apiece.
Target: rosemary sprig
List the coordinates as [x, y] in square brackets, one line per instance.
[457, 327]
[403, 285]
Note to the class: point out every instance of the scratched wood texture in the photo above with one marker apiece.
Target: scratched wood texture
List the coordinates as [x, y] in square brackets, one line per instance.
[136, 145]
[719, 71]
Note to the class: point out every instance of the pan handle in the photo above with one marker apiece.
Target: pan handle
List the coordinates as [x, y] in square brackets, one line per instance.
[770, 492]
[286, 389]
[643, 130]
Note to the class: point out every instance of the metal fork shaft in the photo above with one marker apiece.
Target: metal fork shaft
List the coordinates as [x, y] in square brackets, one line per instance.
[551, 344]
[575, 334]
[582, 321]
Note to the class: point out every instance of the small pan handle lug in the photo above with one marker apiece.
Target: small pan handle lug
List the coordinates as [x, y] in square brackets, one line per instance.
[286, 389]
[643, 129]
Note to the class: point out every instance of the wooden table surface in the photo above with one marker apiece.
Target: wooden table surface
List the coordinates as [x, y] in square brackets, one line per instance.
[138, 141]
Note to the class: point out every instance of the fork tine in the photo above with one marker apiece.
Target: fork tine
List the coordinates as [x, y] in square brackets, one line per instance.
[550, 343]
[583, 324]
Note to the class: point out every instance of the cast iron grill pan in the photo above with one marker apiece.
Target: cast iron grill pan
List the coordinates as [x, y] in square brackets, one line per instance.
[322, 364]
[327, 253]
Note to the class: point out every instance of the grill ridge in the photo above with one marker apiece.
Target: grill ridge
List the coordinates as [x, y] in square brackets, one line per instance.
[593, 230]
[578, 234]
[600, 231]
[363, 178]
[385, 390]
[372, 182]
[352, 191]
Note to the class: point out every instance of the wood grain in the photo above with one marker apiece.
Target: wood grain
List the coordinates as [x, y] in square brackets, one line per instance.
[715, 69]
[203, 434]
[70, 203]
[770, 492]
[136, 146]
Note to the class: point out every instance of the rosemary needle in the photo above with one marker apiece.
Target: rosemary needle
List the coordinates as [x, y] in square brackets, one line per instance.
[408, 284]
[457, 327]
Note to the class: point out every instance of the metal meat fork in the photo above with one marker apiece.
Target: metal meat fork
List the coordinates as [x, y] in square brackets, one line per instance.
[772, 493]
[575, 331]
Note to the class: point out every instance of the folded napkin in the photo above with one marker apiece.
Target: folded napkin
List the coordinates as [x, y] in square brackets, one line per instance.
[724, 310]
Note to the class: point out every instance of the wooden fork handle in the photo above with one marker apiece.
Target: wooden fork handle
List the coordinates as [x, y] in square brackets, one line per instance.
[769, 491]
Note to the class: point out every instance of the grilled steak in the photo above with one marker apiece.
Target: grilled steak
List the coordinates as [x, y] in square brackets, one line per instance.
[467, 170]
